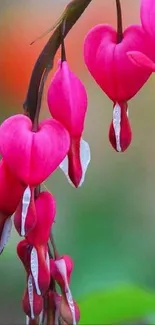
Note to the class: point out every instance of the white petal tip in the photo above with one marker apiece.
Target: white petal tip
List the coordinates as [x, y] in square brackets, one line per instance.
[34, 269]
[85, 157]
[5, 234]
[117, 125]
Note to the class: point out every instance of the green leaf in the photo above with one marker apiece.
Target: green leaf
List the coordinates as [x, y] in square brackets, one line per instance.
[121, 305]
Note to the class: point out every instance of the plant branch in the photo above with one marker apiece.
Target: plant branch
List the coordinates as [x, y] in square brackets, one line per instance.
[71, 14]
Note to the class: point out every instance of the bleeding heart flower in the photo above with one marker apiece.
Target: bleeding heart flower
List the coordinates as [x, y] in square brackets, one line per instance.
[25, 217]
[33, 156]
[61, 269]
[67, 101]
[31, 302]
[114, 72]
[67, 314]
[45, 207]
[36, 263]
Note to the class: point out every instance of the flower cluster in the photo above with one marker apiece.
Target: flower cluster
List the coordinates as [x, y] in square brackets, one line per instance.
[120, 62]
[30, 154]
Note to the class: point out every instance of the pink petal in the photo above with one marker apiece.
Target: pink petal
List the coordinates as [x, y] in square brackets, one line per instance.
[33, 156]
[108, 63]
[45, 209]
[67, 100]
[147, 12]
[24, 252]
[141, 60]
[11, 190]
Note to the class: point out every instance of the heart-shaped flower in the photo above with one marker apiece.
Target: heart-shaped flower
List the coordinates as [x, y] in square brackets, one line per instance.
[114, 72]
[33, 156]
[67, 101]
[61, 269]
[36, 263]
[45, 207]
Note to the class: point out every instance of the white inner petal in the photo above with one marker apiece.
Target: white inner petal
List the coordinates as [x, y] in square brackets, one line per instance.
[85, 157]
[117, 125]
[6, 232]
[41, 317]
[30, 294]
[25, 205]
[27, 320]
[48, 261]
[34, 269]
[61, 265]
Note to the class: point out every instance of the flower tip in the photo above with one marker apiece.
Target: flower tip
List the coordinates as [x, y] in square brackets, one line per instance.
[141, 60]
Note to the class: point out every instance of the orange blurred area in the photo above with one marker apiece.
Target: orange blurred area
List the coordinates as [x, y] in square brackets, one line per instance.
[23, 23]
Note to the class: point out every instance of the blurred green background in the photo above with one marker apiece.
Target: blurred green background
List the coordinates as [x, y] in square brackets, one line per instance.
[108, 225]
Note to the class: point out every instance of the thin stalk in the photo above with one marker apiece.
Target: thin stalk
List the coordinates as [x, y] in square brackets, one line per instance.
[119, 22]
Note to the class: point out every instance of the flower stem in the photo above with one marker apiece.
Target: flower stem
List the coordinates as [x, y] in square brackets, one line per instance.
[63, 51]
[72, 13]
[119, 22]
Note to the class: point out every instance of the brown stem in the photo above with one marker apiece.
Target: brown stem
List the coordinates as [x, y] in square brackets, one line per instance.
[63, 51]
[73, 12]
[40, 95]
[56, 254]
[119, 22]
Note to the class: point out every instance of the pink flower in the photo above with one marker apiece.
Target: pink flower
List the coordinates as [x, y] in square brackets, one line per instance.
[33, 252]
[61, 269]
[114, 72]
[36, 263]
[67, 101]
[45, 206]
[33, 156]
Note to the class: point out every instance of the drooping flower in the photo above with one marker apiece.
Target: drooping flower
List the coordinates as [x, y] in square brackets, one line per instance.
[118, 77]
[11, 191]
[67, 101]
[33, 251]
[61, 269]
[33, 156]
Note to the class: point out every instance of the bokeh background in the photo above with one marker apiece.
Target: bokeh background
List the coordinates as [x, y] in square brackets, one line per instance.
[108, 225]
